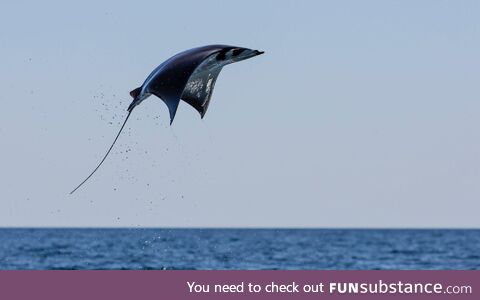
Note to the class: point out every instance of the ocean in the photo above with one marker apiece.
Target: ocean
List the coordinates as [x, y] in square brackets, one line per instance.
[334, 249]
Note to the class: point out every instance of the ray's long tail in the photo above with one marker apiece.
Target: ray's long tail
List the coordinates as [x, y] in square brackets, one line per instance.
[106, 154]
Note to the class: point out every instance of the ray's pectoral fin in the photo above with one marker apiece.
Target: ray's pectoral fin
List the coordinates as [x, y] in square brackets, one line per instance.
[171, 102]
[199, 89]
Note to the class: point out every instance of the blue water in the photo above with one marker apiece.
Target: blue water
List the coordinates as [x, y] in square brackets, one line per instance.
[238, 249]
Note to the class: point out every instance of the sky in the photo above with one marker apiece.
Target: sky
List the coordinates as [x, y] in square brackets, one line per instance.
[359, 114]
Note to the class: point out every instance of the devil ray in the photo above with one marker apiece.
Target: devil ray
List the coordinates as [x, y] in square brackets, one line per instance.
[189, 76]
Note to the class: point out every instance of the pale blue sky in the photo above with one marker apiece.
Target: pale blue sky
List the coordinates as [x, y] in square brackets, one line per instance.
[360, 114]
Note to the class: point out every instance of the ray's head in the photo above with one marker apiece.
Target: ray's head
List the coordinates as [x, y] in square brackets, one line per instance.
[237, 54]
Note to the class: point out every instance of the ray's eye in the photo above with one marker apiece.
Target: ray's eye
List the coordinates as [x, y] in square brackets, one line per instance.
[222, 55]
[236, 52]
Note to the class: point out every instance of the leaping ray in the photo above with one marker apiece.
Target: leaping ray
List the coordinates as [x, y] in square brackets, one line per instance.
[188, 76]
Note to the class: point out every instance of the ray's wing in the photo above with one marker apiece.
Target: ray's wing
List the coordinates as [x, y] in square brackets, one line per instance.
[171, 96]
[170, 79]
[199, 89]
[171, 101]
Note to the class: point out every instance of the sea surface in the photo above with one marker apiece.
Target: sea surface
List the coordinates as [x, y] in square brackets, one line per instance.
[239, 249]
